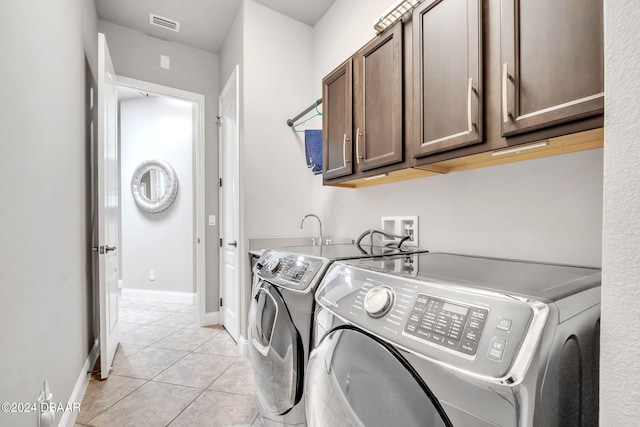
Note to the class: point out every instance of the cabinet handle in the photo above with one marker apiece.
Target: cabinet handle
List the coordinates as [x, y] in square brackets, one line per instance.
[506, 115]
[470, 91]
[359, 157]
[344, 151]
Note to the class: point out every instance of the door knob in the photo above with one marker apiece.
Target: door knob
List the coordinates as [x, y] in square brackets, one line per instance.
[234, 244]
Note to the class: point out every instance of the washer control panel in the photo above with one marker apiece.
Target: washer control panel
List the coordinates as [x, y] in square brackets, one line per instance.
[290, 271]
[460, 325]
[453, 325]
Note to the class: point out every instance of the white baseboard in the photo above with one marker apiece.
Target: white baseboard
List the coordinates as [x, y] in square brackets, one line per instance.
[69, 417]
[211, 318]
[166, 296]
[243, 346]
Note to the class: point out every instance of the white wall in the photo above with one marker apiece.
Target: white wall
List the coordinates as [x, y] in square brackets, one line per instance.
[546, 210]
[344, 29]
[232, 52]
[157, 127]
[620, 345]
[137, 55]
[275, 59]
[278, 85]
[46, 293]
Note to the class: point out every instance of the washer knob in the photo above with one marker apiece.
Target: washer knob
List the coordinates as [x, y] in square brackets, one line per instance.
[378, 301]
[273, 264]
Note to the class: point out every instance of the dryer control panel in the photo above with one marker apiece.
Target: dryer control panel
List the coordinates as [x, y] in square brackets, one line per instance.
[453, 325]
[481, 332]
[296, 272]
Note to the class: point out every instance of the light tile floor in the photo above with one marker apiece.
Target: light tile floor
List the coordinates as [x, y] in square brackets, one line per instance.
[168, 371]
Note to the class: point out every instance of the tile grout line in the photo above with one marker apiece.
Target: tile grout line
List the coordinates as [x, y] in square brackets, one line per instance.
[188, 353]
[118, 401]
[193, 351]
[222, 373]
[185, 408]
[146, 381]
[202, 390]
[256, 419]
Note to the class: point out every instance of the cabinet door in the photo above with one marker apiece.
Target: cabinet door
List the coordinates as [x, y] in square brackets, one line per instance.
[378, 101]
[447, 37]
[552, 62]
[337, 122]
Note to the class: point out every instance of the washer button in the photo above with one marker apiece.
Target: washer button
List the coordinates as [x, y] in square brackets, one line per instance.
[504, 324]
[496, 349]
[378, 301]
[471, 335]
[476, 324]
[479, 313]
[468, 347]
[450, 343]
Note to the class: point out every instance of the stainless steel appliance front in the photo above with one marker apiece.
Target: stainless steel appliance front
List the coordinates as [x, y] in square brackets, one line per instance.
[490, 342]
[281, 316]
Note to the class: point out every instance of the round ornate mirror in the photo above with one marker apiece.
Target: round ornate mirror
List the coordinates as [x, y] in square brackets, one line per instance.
[154, 185]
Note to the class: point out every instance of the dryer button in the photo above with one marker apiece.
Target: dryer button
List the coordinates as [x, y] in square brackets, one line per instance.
[504, 324]
[273, 264]
[496, 349]
[468, 347]
[378, 301]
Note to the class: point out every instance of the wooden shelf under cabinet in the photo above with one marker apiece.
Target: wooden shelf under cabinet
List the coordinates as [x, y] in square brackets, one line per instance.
[572, 143]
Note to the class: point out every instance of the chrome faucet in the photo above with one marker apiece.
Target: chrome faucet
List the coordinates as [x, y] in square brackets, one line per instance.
[319, 222]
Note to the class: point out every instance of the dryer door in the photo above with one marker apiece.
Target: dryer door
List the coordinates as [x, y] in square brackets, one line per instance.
[276, 351]
[354, 379]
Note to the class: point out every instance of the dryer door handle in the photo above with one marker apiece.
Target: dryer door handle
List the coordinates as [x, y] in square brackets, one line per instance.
[265, 306]
[261, 349]
[276, 350]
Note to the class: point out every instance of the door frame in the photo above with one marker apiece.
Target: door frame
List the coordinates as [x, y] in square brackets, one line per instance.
[198, 179]
[232, 82]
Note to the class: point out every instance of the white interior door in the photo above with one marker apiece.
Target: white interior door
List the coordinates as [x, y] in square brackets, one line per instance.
[230, 206]
[108, 206]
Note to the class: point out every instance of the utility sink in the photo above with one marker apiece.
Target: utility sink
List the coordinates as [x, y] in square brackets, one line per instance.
[313, 241]
[256, 245]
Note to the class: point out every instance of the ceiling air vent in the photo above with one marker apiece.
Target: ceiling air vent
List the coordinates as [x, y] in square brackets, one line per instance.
[163, 22]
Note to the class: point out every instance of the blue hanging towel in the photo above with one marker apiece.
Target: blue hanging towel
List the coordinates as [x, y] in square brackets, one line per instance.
[313, 150]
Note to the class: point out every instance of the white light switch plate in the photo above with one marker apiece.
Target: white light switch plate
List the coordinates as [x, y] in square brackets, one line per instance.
[165, 62]
[212, 220]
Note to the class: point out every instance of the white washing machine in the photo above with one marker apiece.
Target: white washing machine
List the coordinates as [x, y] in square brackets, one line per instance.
[466, 341]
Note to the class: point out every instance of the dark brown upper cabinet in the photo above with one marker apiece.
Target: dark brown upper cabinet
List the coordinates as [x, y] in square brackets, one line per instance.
[337, 122]
[447, 75]
[378, 101]
[459, 79]
[552, 63]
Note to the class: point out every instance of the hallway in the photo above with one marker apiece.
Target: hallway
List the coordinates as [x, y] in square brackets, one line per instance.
[169, 371]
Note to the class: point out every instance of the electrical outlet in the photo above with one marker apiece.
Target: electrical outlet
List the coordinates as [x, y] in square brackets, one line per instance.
[152, 275]
[409, 227]
[46, 412]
